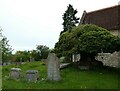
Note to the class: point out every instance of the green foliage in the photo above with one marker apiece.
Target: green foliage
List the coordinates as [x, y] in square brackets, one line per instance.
[22, 56]
[5, 47]
[69, 18]
[42, 51]
[87, 39]
[34, 54]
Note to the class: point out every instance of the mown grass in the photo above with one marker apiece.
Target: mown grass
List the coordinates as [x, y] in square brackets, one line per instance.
[72, 78]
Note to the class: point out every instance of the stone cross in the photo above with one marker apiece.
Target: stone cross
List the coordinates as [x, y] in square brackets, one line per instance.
[53, 65]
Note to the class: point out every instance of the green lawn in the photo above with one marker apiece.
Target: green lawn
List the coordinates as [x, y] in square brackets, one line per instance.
[72, 78]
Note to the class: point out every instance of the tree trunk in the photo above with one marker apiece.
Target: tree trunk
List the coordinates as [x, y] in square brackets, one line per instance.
[90, 61]
[85, 60]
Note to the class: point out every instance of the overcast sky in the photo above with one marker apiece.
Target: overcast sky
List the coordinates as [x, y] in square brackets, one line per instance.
[27, 23]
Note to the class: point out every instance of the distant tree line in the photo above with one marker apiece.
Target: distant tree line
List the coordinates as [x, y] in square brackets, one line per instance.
[41, 52]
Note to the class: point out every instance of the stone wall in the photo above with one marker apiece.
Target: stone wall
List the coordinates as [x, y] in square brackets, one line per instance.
[109, 59]
[115, 32]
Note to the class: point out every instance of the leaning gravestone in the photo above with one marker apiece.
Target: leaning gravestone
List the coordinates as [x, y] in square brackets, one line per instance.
[53, 67]
[15, 73]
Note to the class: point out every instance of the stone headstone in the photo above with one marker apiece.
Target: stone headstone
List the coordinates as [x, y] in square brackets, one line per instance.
[53, 64]
[32, 75]
[64, 65]
[4, 64]
[15, 73]
[18, 63]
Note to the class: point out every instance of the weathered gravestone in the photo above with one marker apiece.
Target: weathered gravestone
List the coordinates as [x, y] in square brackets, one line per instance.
[18, 63]
[32, 75]
[4, 64]
[53, 64]
[15, 73]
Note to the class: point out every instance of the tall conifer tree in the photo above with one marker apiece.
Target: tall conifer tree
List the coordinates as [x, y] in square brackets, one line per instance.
[69, 18]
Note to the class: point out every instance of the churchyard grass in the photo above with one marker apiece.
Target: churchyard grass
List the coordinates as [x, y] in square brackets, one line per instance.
[72, 78]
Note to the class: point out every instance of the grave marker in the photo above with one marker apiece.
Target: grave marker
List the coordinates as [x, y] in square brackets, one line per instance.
[53, 64]
[32, 75]
[15, 73]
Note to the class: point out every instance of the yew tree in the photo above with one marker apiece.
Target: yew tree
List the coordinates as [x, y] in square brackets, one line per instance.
[5, 48]
[69, 19]
[88, 40]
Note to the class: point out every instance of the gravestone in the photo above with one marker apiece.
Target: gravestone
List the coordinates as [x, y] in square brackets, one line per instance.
[4, 64]
[18, 63]
[32, 75]
[53, 64]
[15, 73]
